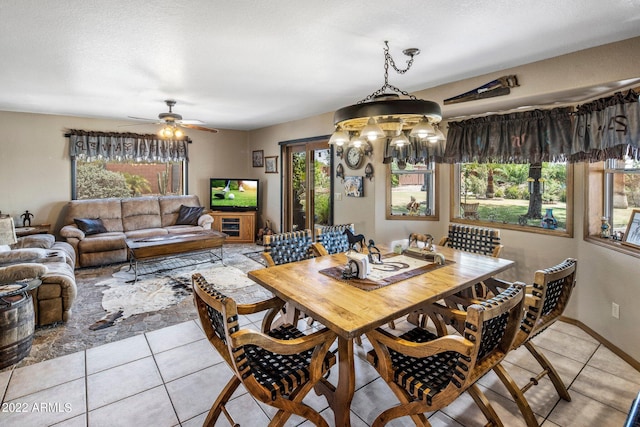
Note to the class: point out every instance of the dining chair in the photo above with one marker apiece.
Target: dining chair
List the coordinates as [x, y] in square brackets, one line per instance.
[278, 367]
[479, 240]
[427, 372]
[468, 238]
[333, 238]
[291, 246]
[545, 301]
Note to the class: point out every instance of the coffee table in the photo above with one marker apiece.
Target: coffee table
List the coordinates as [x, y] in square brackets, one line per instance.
[173, 245]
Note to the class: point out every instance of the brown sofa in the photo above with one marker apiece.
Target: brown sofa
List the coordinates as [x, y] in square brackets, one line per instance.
[125, 218]
[40, 256]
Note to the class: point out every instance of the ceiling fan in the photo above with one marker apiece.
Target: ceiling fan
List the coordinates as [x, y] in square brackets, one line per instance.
[173, 121]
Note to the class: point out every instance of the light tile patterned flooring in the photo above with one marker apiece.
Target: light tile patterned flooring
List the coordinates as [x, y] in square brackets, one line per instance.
[171, 376]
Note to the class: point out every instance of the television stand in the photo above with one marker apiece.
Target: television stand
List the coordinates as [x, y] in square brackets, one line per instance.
[239, 226]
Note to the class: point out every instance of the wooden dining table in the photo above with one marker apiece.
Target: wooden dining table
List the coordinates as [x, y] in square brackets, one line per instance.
[350, 311]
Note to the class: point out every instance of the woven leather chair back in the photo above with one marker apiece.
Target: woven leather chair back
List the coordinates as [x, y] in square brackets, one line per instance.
[551, 289]
[493, 325]
[283, 248]
[218, 315]
[332, 237]
[480, 240]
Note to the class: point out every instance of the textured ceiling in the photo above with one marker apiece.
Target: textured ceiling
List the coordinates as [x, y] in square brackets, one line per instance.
[248, 64]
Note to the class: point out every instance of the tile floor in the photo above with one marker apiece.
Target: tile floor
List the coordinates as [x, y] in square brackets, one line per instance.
[171, 376]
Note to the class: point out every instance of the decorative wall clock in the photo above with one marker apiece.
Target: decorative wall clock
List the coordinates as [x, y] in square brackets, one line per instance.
[353, 157]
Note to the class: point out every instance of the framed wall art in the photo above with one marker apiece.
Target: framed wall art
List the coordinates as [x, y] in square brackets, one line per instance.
[632, 235]
[353, 186]
[258, 158]
[271, 164]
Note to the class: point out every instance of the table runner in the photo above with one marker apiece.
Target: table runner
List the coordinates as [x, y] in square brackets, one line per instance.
[394, 268]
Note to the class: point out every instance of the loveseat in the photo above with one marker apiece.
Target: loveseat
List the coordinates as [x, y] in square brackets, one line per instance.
[40, 256]
[97, 228]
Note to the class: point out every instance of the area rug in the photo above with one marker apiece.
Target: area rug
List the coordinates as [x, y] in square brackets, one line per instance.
[163, 287]
[74, 335]
[256, 256]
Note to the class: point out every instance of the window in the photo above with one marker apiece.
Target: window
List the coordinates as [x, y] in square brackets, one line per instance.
[529, 197]
[621, 194]
[411, 191]
[100, 179]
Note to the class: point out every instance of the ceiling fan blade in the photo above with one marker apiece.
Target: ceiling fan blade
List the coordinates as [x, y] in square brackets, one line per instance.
[199, 128]
[191, 122]
[143, 118]
[135, 124]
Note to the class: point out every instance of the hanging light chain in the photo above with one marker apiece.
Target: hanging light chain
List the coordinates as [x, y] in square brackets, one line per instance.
[388, 60]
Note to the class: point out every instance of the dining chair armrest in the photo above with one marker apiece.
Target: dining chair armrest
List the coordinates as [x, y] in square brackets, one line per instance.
[497, 250]
[268, 259]
[274, 345]
[458, 301]
[455, 343]
[318, 249]
[496, 285]
[443, 241]
[273, 305]
[442, 315]
[259, 306]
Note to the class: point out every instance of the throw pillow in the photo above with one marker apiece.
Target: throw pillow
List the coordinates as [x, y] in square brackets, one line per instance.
[90, 225]
[188, 215]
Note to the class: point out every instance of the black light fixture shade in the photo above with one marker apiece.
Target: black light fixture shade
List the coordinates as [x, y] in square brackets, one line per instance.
[409, 111]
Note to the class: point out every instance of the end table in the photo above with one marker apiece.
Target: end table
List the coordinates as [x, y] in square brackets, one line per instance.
[17, 321]
[34, 229]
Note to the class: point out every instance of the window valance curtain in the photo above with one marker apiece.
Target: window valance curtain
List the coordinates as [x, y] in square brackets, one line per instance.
[125, 147]
[607, 128]
[415, 152]
[528, 137]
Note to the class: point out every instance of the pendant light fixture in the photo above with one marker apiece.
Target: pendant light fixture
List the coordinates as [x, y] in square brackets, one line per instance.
[390, 114]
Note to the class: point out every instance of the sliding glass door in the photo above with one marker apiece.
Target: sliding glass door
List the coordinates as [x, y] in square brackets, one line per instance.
[307, 187]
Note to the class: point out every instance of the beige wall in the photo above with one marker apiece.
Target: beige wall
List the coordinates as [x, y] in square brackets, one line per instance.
[604, 276]
[36, 168]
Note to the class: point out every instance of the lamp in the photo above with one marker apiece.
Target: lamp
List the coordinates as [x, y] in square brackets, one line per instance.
[384, 114]
[170, 130]
[7, 231]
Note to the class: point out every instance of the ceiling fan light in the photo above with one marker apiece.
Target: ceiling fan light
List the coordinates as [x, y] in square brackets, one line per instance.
[178, 133]
[423, 129]
[372, 131]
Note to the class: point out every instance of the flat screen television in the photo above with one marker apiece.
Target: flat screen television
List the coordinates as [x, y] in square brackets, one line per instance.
[234, 194]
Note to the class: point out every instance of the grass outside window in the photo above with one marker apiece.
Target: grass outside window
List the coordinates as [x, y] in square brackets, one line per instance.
[514, 196]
